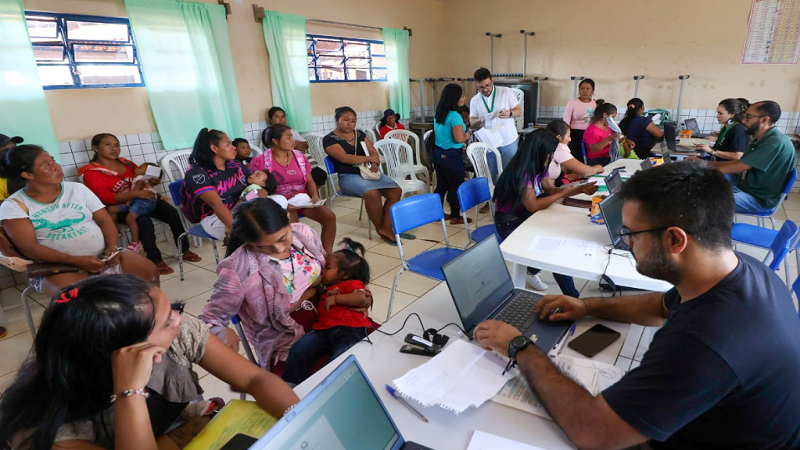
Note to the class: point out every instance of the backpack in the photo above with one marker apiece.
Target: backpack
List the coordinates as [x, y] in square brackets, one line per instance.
[267, 158]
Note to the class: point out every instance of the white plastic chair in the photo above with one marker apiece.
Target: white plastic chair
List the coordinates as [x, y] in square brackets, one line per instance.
[370, 134]
[255, 151]
[477, 155]
[378, 128]
[314, 140]
[399, 167]
[174, 165]
[412, 139]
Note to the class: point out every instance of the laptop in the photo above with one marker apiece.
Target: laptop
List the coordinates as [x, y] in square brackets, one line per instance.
[614, 181]
[342, 413]
[482, 289]
[670, 139]
[646, 164]
[691, 124]
[611, 207]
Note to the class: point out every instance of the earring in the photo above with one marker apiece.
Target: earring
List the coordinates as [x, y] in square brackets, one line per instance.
[730, 121]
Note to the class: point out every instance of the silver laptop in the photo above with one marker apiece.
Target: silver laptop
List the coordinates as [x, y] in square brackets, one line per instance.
[670, 139]
[691, 124]
[611, 207]
[342, 413]
[482, 289]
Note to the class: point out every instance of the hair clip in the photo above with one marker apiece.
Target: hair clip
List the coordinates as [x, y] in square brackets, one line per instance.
[631, 106]
[67, 296]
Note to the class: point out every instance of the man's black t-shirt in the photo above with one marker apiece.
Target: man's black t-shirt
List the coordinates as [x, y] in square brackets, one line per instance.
[723, 372]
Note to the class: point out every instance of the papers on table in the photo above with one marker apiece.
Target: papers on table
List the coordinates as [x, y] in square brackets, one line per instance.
[238, 416]
[461, 376]
[486, 441]
[594, 376]
[566, 247]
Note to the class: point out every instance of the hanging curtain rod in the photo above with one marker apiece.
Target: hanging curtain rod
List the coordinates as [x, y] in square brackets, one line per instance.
[258, 14]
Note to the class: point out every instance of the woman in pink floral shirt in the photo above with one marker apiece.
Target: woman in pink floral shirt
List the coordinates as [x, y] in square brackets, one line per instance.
[271, 269]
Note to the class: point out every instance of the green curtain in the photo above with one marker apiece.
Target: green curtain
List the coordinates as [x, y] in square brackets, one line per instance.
[285, 35]
[396, 43]
[24, 110]
[186, 61]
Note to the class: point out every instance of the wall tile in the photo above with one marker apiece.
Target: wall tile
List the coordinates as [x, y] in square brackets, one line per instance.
[144, 138]
[67, 159]
[70, 171]
[148, 149]
[77, 145]
[135, 150]
[132, 139]
[155, 137]
[81, 157]
[63, 147]
[122, 139]
[248, 127]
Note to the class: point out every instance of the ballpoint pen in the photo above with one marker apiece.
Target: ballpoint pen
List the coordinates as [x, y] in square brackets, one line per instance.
[393, 393]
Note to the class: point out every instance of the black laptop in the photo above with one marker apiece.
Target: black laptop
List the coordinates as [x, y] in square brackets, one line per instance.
[611, 207]
[614, 181]
[482, 289]
[670, 139]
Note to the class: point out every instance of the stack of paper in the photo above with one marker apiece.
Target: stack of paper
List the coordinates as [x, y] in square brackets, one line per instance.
[463, 375]
[238, 416]
[594, 376]
[486, 441]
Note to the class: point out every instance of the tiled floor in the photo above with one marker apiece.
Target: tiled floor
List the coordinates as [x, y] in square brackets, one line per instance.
[383, 259]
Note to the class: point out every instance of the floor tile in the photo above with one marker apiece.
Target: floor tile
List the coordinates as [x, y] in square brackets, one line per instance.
[411, 248]
[14, 351]
[409, 283]
[380, 264]
[10, 298]
[6, 380]
[194, 305]
[380, 296]
[17, 322]
[195, 282]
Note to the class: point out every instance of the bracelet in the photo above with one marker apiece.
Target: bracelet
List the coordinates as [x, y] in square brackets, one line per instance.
[713, 153]
[129, 392]
[585, 305]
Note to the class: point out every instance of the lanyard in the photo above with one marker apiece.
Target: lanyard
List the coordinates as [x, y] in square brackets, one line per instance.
[494, 94]
[723, 133]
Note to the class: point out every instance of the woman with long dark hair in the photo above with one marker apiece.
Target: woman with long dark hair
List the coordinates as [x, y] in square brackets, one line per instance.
[112, 368]
[731, 140]
[111, 179]
[271, 270]
[292, 172]
[526, 188]
[215, 181]
[344, 146]
[598, 136]
[639, 128]
[450, 134]
[64, 223]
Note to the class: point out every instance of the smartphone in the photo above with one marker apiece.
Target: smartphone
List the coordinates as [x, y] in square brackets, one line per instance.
[594, 340]
[239, 442]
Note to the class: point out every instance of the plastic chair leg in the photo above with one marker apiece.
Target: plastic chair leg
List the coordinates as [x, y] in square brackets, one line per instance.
[394, 289]
[216, 254]
[772, 220]
[28, 314]
[180, 255]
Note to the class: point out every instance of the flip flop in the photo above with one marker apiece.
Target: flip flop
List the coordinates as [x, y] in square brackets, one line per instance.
[165, 270]
[390, 242]
[408, 236]
[192, 257]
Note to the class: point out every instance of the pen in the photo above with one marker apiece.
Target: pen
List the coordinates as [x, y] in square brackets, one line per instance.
[394, 394]
[572, 330]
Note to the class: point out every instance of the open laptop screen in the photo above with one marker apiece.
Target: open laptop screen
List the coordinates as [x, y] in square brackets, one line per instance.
[612, 214]
[669, 136]
[479, 281]
[343, 413]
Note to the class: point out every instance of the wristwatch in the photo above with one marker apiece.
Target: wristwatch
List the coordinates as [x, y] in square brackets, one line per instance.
[517, 344]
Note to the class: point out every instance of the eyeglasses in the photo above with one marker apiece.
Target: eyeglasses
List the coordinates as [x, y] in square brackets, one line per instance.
[486, 86]
[749, 117]
[626, 234]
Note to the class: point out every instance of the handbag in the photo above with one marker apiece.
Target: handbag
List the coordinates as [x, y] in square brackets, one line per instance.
[365, 168]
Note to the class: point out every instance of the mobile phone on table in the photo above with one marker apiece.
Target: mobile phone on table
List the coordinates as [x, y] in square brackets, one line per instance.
[239, 442]
[594, 340]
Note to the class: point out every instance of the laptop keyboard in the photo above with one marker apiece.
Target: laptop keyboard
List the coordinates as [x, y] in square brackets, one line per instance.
[519, 312]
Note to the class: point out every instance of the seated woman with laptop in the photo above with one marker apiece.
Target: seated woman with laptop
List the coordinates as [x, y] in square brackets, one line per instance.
[526, 188]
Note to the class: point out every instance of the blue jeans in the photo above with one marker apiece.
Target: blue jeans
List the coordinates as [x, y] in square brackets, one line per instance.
[304, 353]
[745, 203]
[506, 153]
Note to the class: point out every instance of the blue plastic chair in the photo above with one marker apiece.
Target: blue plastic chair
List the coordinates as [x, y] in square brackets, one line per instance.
[195, 230]
[472, 193]
[338, 193]
[583, 150]
[779, 243]
[410, 213]
[771, 213]
[796, 290]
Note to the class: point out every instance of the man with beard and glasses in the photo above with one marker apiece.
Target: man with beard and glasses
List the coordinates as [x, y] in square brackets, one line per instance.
[721, 373]
[760, 176]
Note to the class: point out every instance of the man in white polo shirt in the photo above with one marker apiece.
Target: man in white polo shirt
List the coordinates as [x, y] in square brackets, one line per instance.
[494, 108]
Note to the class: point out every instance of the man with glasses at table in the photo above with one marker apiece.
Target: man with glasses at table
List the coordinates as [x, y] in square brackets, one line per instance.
[761, 175]
[722, 371]
[494, 108]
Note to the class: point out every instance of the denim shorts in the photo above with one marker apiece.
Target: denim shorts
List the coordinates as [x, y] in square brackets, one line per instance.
[139, 206]
[354, 185]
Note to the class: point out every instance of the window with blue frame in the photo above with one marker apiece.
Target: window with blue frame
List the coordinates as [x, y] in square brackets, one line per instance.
[76, 51]
[336, 59]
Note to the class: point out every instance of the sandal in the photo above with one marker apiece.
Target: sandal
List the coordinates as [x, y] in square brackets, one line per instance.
[408, 236]
[165, 269]
[459, 221]
[192, 257]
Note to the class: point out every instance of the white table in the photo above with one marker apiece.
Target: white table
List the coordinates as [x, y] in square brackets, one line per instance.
[567, 222]
[383, 363]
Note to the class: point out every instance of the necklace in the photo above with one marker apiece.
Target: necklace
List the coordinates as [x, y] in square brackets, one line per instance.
[288, 163]
[289, 280]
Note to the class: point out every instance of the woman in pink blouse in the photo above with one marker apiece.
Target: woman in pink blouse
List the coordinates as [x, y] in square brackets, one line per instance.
[292, 171]
[577, 114]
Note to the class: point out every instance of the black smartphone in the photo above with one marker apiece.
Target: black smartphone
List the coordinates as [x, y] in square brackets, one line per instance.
[594, 340]
[239, 442]
[417, 350]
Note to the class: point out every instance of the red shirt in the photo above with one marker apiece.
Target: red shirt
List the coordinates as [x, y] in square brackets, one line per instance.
[385, 129]
[593, 135]
[341, 316]
[105, 183]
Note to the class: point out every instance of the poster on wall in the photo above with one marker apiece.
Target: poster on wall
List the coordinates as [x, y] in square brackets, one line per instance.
[773, 32]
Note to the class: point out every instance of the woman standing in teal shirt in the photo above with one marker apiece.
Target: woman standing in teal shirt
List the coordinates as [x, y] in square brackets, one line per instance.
[450, 135]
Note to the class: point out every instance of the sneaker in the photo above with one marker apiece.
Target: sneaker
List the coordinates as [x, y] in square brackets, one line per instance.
[536, 283]
[135, 247]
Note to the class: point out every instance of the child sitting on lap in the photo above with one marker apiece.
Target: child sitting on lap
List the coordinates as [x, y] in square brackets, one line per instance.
[139, 206]
[340, 326]
[262, 184]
